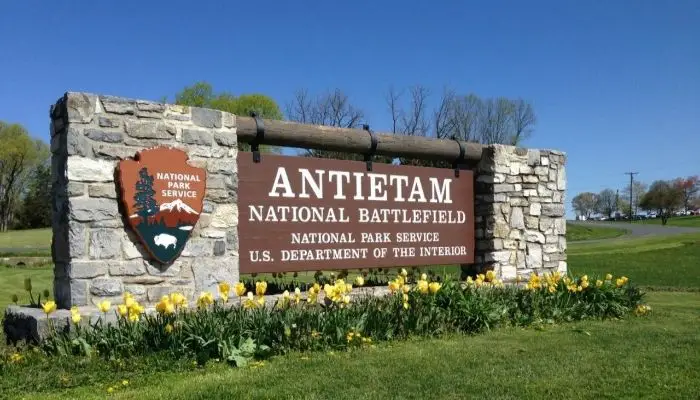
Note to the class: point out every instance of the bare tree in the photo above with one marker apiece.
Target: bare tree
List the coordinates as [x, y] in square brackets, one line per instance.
[523, 120]
[413, 119]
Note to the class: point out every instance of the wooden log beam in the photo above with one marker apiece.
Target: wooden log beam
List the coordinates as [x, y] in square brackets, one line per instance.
[319, 137]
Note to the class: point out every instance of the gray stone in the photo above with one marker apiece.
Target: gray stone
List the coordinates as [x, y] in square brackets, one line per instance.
[535, 209]
[88, 170]
[225, 216]
[560, 226]
[502, 187]
[207, 206]
[534, 236]
[533, 258]
[232, 239]
[106, 287]
[557, 197]
[519, 202]
[546, 225]
[543, 191]
[517, 220]
[106, 122]
[105, 243]
[561, 178]
[138, 291]
[144, 280]
[197, 136]
[533, 158]
[222, 166]
[80, 107]
[551, 238]
[129, 249]
[228, 120]
[156, 293]
[104, 136]
[76, 189]
[216, 182]
[526, 170]
[77, 239]
[79, 292]
[529, 192]
[209, 272]
[532, 222]
[108, 223]
[206, 118]
[552, 175]
[150, 130]
[141, 143]
[102, 190]
[149, 109]
[514, 179]
[198, 248]
[77, 144]
[114, 152]
[553, 210]
[498, 256]
[116, 105]
[530, 179]
[227, 139]
[157, 269]
[219, 247]
[126, 268]
[550, 248]
[86, 269]
[501, 198]
[544, 161]
[541, 171]
[86, 209]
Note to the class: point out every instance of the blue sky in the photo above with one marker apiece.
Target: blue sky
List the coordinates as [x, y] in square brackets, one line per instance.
[616, 85]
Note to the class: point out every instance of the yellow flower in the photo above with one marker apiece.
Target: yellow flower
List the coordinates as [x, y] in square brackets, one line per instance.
[178, 300]
[75, 314]
[404, 272]
[490, 275]
[224, 289]
[168, 328]
[579, 288]
[297, 295]
[434, 287]
[405, 306]
[598, 283]
[622, 281]
[125, 383]
[16, 358]
[205, 299]
[422, 286]
[28, 284]
[110, 390]
[393, 286]
[584, 284]
[49, 307]
[239, 288]
[122, 310]
[552, 289]
[162, 306]
[424, 277]
[406, 288]
[348, 287]
[584, 278]
[405, 297]
[608, 277]
[134, 315]
[260, 288]
[260, 300]
[285, 295]
[642, 309]
[104, 306]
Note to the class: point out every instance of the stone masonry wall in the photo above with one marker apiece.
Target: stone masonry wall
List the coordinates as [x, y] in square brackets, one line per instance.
[519, 209]
[96, 255]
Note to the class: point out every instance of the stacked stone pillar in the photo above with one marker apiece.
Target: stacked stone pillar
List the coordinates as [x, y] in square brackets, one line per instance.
[96, 255]
[519, 212]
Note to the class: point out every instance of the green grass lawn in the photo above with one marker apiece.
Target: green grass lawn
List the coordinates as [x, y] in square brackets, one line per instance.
[692, 221]
[651, 357]
[660, 263]
[30, 241]
[12, 282]
[578, 232]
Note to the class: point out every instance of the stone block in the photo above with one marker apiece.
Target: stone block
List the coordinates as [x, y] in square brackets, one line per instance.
[106, 122]
[543, 191]
[198, 248]
[533, 258]
[80, 107]
[77, 240]
[76, 143]
[219, 247]
[104, 287]
[114, 152]
[532, 223]
[209, 272]
[525, 170]
[117, 105]
[137, 291]
[224, 216]
[561, 178]
[129, 249]
[104, 243]
[76, 189]
[232, 239]
[553, 210]
[533, 158]
[79, 269]
[157, 269]
[101, 135]
[154, 294]
[544, 161]
[225, 167]
[102, 190]
[126, 268]
[227, 139]
[514, 179]
[546, 225]
[198, 136]
[531, 179]
[542, 172]
[560, 226]
[87, 209]
[517, 220]
[88, 170]
[534, 236]
[503, 187]
[150, 130]
[109, 223]
[206, 118]
[535, 209]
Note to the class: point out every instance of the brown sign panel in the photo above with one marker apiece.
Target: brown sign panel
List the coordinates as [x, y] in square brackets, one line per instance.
[298, 213]
[162, 197]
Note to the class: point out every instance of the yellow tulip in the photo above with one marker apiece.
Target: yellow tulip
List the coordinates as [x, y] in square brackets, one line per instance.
[49, 307]
[404, 272]
[122, 310]
[490, 275]
[104, 306]
[422, 286]
[205, 299]
[168, 328]
[608, 277]
[598, 283]
[552, 289]
[584, 284]
[260, 288]
[239, 288]
[224, 289]
[406, 288]
[434, 287]
[424, 277]
[346, 299]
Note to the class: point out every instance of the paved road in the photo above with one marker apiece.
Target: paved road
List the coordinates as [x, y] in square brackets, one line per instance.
[638, 230]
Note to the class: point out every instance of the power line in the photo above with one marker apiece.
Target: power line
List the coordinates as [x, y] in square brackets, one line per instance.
[631, 174]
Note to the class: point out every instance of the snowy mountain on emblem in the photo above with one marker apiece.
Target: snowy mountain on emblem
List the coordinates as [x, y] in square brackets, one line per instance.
[177, 205]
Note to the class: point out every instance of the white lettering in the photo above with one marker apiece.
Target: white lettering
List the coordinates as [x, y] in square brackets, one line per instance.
[417, 190]
[339, 192]
[377, 187]
[281, 181]
[316, 186]
[443, 195]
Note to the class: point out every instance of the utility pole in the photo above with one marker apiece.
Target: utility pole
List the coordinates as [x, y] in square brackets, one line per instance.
[631, 174]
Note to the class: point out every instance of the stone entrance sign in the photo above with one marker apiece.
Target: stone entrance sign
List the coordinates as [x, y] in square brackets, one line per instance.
[162, 197]
[299, 213]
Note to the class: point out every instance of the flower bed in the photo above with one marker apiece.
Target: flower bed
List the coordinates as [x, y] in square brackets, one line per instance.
[237, 324]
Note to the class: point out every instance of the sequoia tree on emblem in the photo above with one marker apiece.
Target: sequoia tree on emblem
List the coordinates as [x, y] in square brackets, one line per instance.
[162, 197]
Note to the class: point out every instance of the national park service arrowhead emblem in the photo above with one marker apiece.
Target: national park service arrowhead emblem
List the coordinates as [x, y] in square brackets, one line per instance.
[162, 197]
